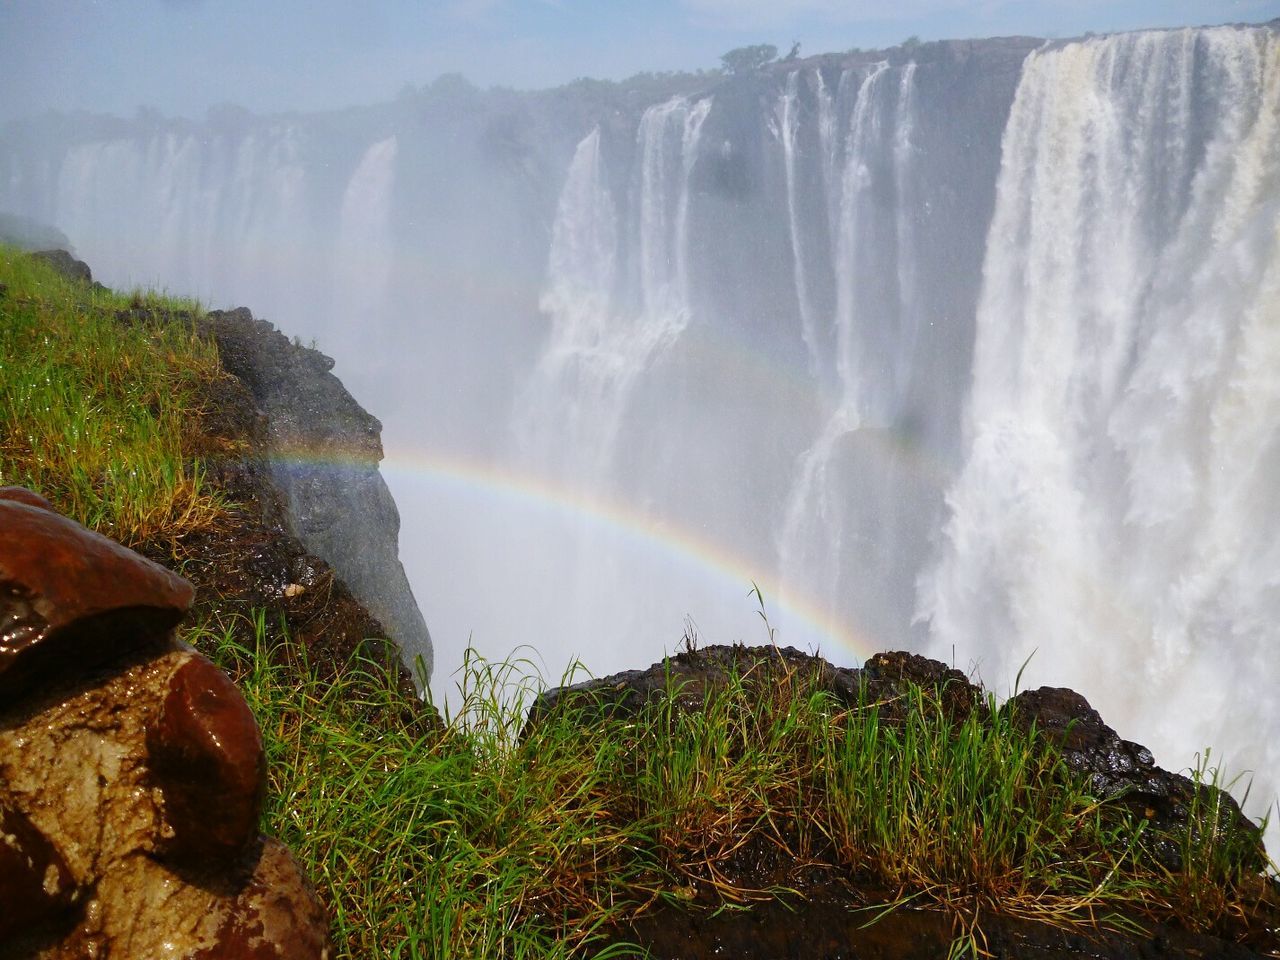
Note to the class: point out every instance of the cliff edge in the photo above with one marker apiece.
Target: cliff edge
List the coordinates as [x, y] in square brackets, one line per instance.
[323, 451]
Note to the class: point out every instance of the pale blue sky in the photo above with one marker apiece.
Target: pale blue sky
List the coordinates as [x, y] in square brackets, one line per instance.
[182, 56]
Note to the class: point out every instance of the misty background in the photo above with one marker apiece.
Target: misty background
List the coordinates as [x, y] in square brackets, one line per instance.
[182, 57]
[959, 347]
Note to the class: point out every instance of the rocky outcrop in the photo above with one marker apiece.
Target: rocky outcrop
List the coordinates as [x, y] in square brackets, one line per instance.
[824, 916]
[131, 769]
[251, 562]
[66, 264]
[324, 451]
[1126, 775]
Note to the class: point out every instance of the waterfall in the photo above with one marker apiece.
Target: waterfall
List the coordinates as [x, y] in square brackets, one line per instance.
[602, 336]
[817, 541]
[203, 216]
[364, 257]
[786, 117]
[972, 352]
[1117, 520]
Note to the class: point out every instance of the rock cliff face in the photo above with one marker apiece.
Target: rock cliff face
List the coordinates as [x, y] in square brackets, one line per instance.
[323, 451]
[131, 769]
[312, 503]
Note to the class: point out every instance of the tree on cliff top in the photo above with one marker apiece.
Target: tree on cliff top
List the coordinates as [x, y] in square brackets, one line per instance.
[746, 59]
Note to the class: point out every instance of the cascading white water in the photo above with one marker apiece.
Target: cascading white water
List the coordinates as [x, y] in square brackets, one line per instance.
[787, 125]
[202, 216]
[1118, 517]
[365, 252]
[607, 328]
[603, 335]
[588, 346]
[877, 154]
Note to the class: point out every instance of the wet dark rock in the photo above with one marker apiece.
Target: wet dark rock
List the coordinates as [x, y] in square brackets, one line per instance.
[694, 674]
[72, 598]
[66, 264]
[887, 676]
[1125, 773]
[36, 890]
[827, 914]
[324, 451]
[249, 561]
[206, 757]
[829, 930]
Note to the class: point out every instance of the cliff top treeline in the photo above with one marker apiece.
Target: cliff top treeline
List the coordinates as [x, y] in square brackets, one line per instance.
[697, 807]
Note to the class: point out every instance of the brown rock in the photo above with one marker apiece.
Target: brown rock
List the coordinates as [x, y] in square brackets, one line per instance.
[29, 497]
[36, 889]
[206, 757]
[276, 917]
[129, 796]
[71, 600]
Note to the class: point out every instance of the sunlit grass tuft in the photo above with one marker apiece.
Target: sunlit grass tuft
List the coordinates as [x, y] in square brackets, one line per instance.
[98, 405]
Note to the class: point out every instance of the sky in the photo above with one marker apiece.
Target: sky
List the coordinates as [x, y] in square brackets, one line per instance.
[184, 56]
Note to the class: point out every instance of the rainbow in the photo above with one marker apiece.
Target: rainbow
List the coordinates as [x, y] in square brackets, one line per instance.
[479, 478]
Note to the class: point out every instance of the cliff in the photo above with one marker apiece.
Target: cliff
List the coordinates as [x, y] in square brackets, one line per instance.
[323, 451]
[311, 535]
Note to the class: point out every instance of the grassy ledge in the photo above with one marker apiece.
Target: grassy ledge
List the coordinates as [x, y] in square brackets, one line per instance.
[98, 406]
[473, 841]
[484, 839]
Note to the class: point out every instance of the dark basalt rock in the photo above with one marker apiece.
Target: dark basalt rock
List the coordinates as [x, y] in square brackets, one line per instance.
[324, 453]
[821, 919]
[695, 673]
[829, 930]
[66, 264]
[887, 675]
[1125, 773]
[206, 756]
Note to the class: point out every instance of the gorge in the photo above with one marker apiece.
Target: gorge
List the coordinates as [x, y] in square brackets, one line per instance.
[962, 347]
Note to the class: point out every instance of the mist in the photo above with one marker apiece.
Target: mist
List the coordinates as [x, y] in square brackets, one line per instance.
[963, 348]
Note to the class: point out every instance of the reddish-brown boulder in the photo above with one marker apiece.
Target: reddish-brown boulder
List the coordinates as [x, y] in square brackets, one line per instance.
[131, 768]
[71, 599]
[29, 497]
[275, 917]
[206, 757]
[36, 890]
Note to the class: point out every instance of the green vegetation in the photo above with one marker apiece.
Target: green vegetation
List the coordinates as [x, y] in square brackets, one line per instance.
[747, 59]
[97, 403]
[473, 842]
[481, 839]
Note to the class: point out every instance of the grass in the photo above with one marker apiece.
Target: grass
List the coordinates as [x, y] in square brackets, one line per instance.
[472, 841]
[97, 405]
[481, 838]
